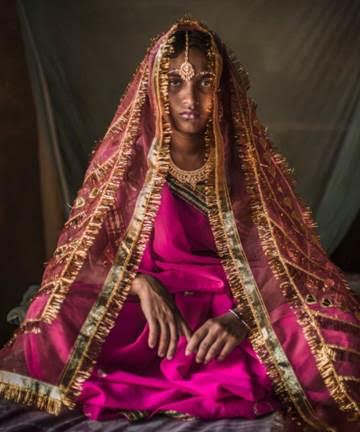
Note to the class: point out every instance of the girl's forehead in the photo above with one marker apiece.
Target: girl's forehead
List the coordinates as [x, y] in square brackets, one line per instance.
[197, 58]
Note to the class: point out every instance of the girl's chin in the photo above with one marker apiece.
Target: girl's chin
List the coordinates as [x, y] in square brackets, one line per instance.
[190, 127]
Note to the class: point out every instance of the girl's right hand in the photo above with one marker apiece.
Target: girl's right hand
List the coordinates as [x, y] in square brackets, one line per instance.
[165, 321]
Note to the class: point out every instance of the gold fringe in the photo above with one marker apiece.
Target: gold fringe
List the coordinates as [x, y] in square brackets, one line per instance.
[99, 171]
[244, 138]
[102, 318]
[230, 250]
[133, 416]
[338, 320]
[115, 289]
[76, 258]
[25, 396]
[350, 378]
[261, 219]
[344, 349]
[178, 415]
[281, 163]
[119, 124]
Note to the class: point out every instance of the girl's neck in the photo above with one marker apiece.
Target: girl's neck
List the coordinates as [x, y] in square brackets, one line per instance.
[187, 151]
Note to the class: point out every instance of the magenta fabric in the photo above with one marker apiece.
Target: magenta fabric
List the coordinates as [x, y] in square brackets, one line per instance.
[129, 375]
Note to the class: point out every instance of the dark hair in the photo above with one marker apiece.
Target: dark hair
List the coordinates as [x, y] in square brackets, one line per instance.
[197, 39]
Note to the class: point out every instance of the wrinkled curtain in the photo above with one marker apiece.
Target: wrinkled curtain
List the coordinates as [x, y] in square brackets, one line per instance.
[304, 66]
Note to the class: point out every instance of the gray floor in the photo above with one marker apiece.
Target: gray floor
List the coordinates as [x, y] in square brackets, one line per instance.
[16, 418]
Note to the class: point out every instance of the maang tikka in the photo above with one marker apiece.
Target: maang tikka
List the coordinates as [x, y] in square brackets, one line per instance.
[186, 70]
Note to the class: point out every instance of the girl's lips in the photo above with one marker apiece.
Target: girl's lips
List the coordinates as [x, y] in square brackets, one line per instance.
[190, 115]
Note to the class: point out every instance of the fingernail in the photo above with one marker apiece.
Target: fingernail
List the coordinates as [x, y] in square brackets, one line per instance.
[169, 357]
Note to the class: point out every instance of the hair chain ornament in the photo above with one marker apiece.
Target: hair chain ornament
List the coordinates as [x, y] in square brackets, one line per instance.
[186, 70]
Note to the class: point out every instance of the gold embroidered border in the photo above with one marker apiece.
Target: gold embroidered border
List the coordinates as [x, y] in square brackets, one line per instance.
[119, 123]
[76, 259]
[29, 391]
[350, 378]
[125, 93]
[178, 415]
[302, 269]
[135, 415]
[116, 286]
[336, 325]
[272, 251]
[187, 195]
[115, 289]
[333, 318]
[100, 168]
[345, 349]
[283, 211]
[317, 245]
[298, 249]
[304, 254]
[282, 165]
[114, 292]
[244, 288]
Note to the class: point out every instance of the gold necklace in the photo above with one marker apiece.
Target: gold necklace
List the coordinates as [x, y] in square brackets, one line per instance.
[191, 177]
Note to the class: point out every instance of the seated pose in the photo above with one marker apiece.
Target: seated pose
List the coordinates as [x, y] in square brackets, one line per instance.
[189, 279]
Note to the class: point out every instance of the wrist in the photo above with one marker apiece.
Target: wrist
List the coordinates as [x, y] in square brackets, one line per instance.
[140, 285]
[136, 284]
[237, 314]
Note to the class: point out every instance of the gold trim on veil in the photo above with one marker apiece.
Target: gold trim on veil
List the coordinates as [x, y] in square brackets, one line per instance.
[107, 175]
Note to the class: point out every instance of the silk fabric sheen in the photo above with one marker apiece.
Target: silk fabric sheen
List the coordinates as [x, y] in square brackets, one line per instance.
[130, 375]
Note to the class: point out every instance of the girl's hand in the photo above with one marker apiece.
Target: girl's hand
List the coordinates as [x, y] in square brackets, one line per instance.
[165, 321]
[217, 337]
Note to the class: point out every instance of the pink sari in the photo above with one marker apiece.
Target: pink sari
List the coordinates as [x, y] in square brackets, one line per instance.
[129, 375]
[304, 319]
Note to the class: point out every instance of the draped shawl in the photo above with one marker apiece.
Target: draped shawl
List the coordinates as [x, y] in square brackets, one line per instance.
[265, 237]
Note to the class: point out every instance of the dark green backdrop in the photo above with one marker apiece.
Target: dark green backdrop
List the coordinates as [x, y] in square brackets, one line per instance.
[304, 65]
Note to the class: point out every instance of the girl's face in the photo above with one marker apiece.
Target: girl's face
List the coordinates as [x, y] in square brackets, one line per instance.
[190, 101]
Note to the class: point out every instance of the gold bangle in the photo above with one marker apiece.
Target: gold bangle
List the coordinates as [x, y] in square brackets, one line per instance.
[239, 318]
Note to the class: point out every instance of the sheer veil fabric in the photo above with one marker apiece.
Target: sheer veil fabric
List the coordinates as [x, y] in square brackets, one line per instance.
[265, 237]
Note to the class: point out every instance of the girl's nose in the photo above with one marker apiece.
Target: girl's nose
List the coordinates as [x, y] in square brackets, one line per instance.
[190, 97]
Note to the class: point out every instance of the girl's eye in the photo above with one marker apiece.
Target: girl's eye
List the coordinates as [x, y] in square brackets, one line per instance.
[206, 82]
[174, 82]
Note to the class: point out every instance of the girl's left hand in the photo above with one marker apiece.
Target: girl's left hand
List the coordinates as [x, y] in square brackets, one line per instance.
[218, 336]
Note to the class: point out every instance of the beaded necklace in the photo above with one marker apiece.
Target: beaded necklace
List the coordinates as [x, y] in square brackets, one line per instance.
[192, 177]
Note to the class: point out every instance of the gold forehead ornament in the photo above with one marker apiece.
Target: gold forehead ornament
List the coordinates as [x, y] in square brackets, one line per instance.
[186, 70]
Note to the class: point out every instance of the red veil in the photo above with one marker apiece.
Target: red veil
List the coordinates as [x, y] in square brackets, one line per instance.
[265, 237]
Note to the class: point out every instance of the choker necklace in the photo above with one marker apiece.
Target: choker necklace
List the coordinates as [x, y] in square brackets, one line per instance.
[193, 177]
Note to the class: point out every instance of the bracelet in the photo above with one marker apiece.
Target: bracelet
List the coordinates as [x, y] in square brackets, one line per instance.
[240, 319]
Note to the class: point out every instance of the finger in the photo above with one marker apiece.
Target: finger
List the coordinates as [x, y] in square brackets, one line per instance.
[173, 339]
[228, 347]
[153, 332]
[164, 338]
[204, 347]
[185, 329]
[214, 350]
[195, 340]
